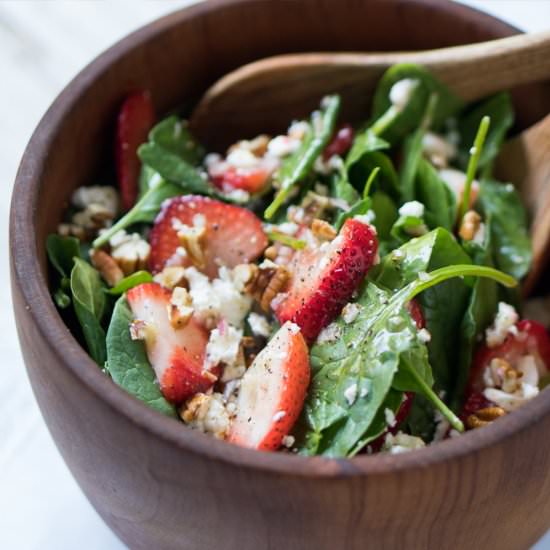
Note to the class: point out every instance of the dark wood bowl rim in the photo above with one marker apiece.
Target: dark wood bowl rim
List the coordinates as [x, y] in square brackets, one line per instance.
[28, 276]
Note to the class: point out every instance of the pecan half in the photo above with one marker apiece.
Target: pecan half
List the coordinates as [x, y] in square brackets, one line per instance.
[107, 267]
[483, 417]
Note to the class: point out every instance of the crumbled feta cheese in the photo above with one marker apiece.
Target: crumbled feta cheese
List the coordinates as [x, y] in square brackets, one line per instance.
[282, 146]
[350, 393]
[505, 319]
[424, 335]
[130, 251]
[367, 218]
[207, 413]
[259, 325]
[182, 301]
[529, 370]
[401, 443]
[511, 401]
[238, 195]
[288, 228]
[389, 417]
[288, 441]
[298, 129]
[437, 149]
[329, 334]
[401, 92]
[350, 312]
[242, 158]
[414, 209]
[442, 426]
[104, 196]
[223, 345]
[219, 298]
[170, 276]
[212, 159]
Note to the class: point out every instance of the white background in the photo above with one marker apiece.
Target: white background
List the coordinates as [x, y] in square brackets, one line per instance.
[43, 44]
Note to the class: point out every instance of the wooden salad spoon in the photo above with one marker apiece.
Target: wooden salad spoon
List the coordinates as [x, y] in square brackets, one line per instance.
[266, 94]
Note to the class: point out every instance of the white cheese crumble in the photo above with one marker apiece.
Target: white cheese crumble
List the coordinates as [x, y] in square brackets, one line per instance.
[505, 319]
[130, 251]
[414, 209]
[259, 325]
[242, 158]
[401, 92]
[329, 334]
[350, 312]
[104, 196]
[366, 218]
[282, 146]
[223, 345]
[389, 417]
[208, 414]
[424, 335]
[288, 441]
[350, 394]
[402, 443]
[437, 149]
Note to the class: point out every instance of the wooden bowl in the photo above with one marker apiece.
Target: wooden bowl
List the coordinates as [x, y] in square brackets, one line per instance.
[159, 485]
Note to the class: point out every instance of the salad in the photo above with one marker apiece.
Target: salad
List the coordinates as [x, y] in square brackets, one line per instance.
[330, 291]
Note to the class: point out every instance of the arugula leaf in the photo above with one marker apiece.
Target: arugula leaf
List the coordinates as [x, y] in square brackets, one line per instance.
[479, 315]
[509, 227]
[89, 306]
[61, 251]
[137, 278]
[298, 165]
[500, 110]
[443, 306]
[403, 122]
[173, 135]
[127, 362]
[145, 210]
[173, 168]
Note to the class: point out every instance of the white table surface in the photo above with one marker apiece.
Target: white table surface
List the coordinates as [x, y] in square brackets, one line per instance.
[43, 44]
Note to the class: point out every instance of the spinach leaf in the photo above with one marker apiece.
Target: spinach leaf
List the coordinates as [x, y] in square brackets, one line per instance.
[358, 209]
[408, 226]
[386, 214]
[173, 135]
[298, 165]
[439, 201]
[365, 143]
[173, 168]
[421, 419]
[89, 306]
[148, 178]
[61, 251]
[145, 210]
[443, 306]
[387, 180]
[127, 362]
[509, 227]
[500, 110]
[479, 315]
[137, 278]
[401, 123]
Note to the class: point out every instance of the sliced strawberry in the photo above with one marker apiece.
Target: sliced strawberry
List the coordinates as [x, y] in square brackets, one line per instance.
[416, 313]
[234, 235]
[135, 118]
[341, 142]
[177, 356]
[251, 180]
[324, 278]
[272, 392]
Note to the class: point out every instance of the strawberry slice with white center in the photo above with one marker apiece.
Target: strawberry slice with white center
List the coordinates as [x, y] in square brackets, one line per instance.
[135, 119]
[177, 355]
[272, 392]
[234, 235]
[324, 278]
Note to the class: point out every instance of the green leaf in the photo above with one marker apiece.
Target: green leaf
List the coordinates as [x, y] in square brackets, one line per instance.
[406, 121]
[173, 168]
[365, 143]
[137, 278]
[298, 165]
[173, 135]
[145, 210]
[61, 252]
[89, 306]
[500, 110]
[148, 178]
[387, 180]
[128, 364]
[385, 212]
[358, 209]
[509, 227]
[61, 299]
[287, 240]
[443, 306]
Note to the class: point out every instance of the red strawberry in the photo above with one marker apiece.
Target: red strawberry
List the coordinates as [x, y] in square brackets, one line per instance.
[416, 313]
[234, 235]
[324, 278]
[135, 118]
[177, 355]
[272, 392]
[341, 142]
[251, 180]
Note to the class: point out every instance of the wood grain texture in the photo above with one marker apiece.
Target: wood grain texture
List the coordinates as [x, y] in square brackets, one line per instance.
[161, 486]
[251, 98]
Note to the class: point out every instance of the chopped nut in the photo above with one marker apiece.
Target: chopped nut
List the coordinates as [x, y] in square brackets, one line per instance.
[243, 274]
[180, 309]
[484, 416]
[171, 277]
[206, 413]
[470, 225]
[100, 197]
[315, 206]
[323, 230]
[138, 330]
[71, 230]
[266, 282]
[107, 267]
[270, 252]
[257, 146]
[130, 252]
[192, 239]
